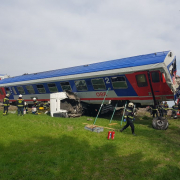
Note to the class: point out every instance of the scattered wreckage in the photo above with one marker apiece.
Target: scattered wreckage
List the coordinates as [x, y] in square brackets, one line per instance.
[68, 104]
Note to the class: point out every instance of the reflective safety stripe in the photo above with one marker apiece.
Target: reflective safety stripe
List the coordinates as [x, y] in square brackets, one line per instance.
[129, 110]
[130, 117]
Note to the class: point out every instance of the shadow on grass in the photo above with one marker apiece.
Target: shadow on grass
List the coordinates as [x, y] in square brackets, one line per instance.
[70, 158]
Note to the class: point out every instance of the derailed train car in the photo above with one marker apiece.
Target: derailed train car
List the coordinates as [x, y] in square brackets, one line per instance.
[143, 80]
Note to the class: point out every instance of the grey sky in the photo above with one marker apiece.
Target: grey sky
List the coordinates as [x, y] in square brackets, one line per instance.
[41, 35]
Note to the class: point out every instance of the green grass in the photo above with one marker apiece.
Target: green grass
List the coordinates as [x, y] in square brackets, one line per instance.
[40, 147]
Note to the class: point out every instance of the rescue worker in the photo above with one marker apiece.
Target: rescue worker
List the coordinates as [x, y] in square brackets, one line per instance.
[35, 106]
[174, 110]
[26, 107]
[46, 105]
[161, 109]
[166, 107]
[20, 105]
[6, 104]
[129, 115]
[155, 111]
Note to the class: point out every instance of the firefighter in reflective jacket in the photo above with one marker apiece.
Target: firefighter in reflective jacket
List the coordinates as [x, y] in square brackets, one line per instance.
[35, 103]
[166, 107]
[20, 105]
[46, 105]
[155, 111]
[129, 115]
[6, 104]
[174, 110]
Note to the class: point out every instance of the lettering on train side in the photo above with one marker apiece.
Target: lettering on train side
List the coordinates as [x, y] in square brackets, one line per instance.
[100, 94]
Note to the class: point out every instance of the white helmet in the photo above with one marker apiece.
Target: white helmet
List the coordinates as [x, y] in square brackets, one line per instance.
[7, 95]
[34, 99]
[20, 95]
[130, 104]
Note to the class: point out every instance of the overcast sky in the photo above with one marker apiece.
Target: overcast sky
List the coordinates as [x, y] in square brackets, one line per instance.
[41, 35]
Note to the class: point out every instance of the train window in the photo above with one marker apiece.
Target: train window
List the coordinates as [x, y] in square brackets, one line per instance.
[41, 88]
[81, 85]
[119, 82]
[30, 89]
[1, 92]
[65, 86]
[155, 77]
[14, 91]
[7, 90]
[98, 84]
[20, 90]
[141, 80]
[52, 87]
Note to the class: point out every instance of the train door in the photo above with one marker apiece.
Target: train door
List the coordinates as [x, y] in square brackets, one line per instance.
[155, 77]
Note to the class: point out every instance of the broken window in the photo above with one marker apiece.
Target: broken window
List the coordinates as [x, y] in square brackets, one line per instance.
[81, 85]
[52, 87]
[119, 82]
[20, 90]
[7, 90]
[14, 91]
[65, 86]
[141, 80]
[30, 89]
[98, 84]
[41, 88]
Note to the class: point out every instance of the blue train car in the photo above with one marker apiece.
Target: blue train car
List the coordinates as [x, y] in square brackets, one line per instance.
[141, 79]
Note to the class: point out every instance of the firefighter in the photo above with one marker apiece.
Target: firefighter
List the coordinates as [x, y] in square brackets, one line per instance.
[129, 115]
[35, 106]
[161, 109]
[46, 105]
[155, 111]
[6, 104]
[20, 105]
[174, 110]
[166, 107]
[35, 103]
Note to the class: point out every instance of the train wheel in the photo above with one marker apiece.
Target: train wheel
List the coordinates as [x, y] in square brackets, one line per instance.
[160, 123]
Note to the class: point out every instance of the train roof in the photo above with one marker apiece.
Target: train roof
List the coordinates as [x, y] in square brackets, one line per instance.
[129, 62]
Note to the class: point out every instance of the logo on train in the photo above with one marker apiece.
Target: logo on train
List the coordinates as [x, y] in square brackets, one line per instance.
[100, 94]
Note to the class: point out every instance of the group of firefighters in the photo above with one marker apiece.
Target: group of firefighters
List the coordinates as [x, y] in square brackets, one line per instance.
[163, 108]
[22, 106]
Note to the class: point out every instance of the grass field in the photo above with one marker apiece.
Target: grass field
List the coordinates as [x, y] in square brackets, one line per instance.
[40, 147]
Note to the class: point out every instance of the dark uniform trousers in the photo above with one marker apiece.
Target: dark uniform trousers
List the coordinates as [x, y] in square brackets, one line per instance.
[129, 115]
[161, 110]
[154, 112]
